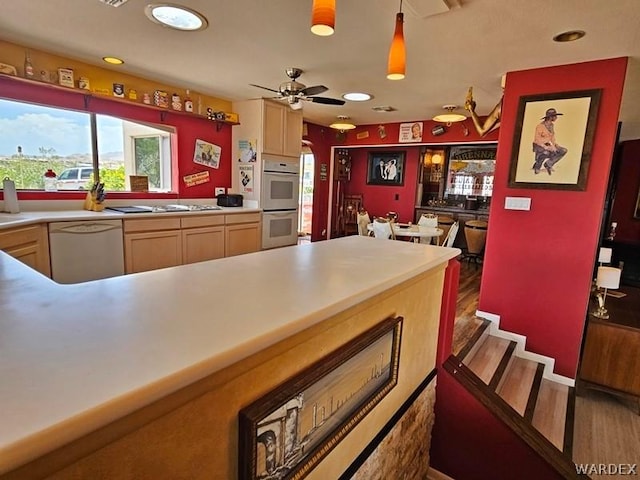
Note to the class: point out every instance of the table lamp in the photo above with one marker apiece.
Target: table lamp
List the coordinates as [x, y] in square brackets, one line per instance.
[604, 255]
[608, 277]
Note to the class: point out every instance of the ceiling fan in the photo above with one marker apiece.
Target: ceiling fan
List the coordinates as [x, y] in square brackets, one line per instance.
[294, 91]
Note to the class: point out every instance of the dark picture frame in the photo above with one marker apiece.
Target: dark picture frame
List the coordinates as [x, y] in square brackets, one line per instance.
[382, 165]
[284, 434]
[537, 161]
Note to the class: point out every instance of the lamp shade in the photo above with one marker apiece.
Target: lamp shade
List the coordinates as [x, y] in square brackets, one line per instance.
[323, 17]
[605, 255]
[397, 53]
[608, 277]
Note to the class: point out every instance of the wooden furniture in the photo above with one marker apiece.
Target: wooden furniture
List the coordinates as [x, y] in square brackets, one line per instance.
[611, 351]
[475, 233]
[30, 245]
[152, 243]
[352, 205]
[457, 214]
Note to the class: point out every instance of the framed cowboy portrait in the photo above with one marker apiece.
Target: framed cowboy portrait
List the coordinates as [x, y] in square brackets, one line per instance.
[553, 140]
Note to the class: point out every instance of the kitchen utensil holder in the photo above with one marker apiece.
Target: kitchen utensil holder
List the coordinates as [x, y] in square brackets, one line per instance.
[92, 204]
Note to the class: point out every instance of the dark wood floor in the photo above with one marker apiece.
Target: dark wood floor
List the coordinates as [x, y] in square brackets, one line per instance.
[606, 428]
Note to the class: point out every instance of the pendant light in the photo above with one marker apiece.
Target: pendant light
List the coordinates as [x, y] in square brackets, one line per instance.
[323, 17]
[397, 52]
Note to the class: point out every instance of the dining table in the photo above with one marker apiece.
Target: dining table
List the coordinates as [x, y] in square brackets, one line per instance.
[412, 231]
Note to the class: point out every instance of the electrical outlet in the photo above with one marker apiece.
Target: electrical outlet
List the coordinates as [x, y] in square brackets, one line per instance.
[220, 191]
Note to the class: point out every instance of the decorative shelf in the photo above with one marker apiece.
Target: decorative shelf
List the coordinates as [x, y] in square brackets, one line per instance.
[90, 95]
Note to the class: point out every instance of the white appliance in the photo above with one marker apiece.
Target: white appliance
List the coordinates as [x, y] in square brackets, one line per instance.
[279, 201]
[279, 228]
[86, 250]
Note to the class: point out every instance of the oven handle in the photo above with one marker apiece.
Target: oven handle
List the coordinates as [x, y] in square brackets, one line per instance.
[280, 213]
[282, 174]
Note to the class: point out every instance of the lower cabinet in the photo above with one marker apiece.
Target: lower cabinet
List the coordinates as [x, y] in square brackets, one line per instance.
[28, 244]
[242, 234]
[203, 238]
[150, 244]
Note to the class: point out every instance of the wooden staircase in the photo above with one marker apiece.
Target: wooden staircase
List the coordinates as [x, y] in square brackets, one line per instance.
[540, 410]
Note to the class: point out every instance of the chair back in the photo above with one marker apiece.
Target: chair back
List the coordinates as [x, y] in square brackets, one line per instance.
[451, 236]
[382, 229]
[363, 220]
[428, 220]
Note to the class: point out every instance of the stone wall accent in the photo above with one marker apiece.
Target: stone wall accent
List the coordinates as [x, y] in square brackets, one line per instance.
[404, 452]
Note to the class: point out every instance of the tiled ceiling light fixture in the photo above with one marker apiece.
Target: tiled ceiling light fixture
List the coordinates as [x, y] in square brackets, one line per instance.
[323, 17]
[342, 124]
[449, 117]
[397, 53]
[176, 16]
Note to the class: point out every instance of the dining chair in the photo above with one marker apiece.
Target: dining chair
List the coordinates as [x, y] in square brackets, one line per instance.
[363, 220]
[382, 229]
[428, 220]
[451, 235]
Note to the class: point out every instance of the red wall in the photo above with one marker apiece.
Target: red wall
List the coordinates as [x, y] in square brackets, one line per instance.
[189, 128]
[539, 263]
[627, 187]
[377, 199]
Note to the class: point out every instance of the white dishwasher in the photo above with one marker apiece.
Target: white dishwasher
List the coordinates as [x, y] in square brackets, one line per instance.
[86, 250]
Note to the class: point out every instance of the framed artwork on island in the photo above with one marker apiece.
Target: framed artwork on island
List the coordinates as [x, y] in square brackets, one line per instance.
[284, 434]
[553, 139]
[385, 168]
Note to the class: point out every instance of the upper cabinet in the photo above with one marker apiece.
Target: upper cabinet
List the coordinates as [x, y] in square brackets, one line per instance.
[275, 127]
[282, 129]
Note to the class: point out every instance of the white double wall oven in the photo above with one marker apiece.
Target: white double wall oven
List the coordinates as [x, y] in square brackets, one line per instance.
[279, 201]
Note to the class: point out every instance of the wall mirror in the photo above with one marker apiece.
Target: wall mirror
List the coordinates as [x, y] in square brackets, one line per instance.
[470, 171]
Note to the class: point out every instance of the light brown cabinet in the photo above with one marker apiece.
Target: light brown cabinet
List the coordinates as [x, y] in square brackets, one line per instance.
[282, 130]
[150, 244]
[243, 234]
[203, 238]
[28, 244]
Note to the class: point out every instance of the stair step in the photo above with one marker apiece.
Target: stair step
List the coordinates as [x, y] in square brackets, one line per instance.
[485, 360]
[516, 383]
[550, 413]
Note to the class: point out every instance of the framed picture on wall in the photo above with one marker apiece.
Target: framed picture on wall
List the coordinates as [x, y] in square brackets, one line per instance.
[284, 434]
[553, 139]
[385, 168]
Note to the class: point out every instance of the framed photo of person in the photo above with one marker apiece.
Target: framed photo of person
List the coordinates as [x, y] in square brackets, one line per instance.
[553, 139]
[385, 168]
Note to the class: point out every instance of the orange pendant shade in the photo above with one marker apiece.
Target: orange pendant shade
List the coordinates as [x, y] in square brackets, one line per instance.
[323, 17]
[397, 52]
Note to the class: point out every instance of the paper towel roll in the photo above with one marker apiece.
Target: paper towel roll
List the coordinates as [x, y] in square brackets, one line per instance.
[10, 196]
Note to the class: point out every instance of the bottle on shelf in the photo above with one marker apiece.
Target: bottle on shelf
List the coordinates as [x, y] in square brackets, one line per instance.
[188, 103]
[28, 66]
[50, 178]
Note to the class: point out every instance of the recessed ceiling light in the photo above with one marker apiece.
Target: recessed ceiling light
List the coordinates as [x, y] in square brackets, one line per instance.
[357, 96]
[176, 16]
[113, 60]
[569, 36]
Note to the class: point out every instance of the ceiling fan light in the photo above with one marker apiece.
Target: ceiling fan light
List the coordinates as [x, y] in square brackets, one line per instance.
[323, 17]
[397, 53]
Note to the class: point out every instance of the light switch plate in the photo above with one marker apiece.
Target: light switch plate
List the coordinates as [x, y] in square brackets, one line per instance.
[517, 203]
[220, 191]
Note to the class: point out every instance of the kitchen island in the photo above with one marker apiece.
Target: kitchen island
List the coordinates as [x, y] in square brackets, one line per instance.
[142, 376]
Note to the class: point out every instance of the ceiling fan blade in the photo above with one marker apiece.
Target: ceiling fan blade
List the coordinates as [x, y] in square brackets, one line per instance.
[327, 101]
[314, 90]
[266, 88]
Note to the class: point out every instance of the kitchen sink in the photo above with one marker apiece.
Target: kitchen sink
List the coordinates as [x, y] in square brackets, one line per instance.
[164, 208]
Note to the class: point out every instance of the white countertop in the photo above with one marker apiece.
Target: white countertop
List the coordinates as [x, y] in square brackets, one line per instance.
[10, 220]
[76, 357]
